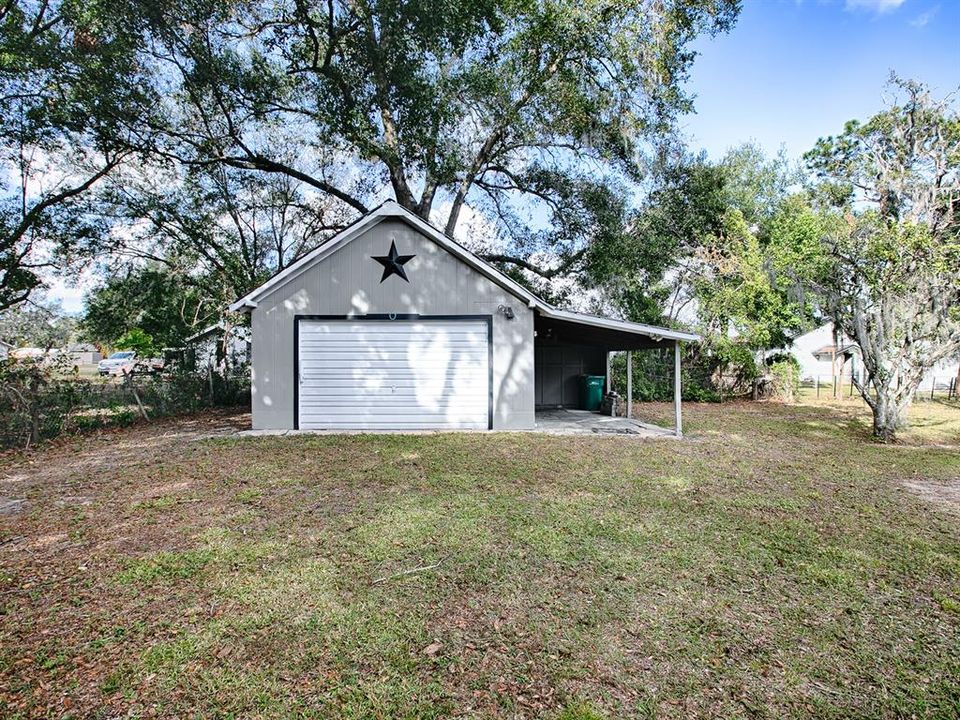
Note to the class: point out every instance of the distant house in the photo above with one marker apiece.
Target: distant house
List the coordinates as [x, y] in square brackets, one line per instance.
[201, 348]
[5, 349]
[832, 353]
[84, 354]
[820, 356]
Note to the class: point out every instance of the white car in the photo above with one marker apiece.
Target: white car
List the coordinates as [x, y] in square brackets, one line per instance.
[119, 363]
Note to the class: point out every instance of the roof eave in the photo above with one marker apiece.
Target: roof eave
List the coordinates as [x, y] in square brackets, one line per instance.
[651, 331]
[243, 305]
[392, 209]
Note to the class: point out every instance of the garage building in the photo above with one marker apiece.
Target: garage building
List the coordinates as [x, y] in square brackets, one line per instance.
[392, 325]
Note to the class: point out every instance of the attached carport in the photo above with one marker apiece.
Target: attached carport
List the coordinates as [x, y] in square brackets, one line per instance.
[568, 344]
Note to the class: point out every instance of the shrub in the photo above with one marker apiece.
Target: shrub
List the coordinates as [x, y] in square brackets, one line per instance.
[784, 374]
[137, 340]
[653, 375]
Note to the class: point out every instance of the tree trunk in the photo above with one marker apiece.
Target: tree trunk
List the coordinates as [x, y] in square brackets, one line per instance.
[888, 418]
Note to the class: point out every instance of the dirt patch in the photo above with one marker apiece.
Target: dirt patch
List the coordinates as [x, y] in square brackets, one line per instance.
[943, 494]
[108, 448]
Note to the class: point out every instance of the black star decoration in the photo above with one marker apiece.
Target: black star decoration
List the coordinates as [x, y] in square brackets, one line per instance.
[393, 262]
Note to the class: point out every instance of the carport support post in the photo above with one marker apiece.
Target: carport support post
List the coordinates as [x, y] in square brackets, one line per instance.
[677, 388]
[629, 384]
[609, 380]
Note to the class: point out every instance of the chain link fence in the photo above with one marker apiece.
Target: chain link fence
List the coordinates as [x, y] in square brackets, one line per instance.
[39, 401]
[839, 387]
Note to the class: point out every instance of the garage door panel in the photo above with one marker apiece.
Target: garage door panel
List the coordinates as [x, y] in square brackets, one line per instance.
[386, 415]
[384, 391]
[380, 377]
[394, 377]
[450, 363]
[401, 374]
[397, 425]
[375, 396]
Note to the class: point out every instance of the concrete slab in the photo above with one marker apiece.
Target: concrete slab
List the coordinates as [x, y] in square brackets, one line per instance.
[550, 422]
[585, 422]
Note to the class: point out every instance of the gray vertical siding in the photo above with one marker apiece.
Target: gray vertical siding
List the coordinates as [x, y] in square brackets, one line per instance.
[348, 283]
[558, 367]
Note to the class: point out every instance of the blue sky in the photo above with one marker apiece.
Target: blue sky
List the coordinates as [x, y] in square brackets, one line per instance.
[791, 71]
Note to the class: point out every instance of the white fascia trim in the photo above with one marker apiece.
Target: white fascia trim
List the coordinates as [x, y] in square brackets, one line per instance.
[636, 328]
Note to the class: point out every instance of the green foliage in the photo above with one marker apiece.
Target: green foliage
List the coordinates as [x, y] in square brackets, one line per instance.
[137, 340]
[755, 184]
[37, 324]
[68, 88]
[755, 284]
[730, 353]
[211, 234]
[653, 375]
[498, 103]
[754, 272]
[784, 370]
[585, 233]
[159, 303]
[686, 206]
[32, 404]
[728, 236]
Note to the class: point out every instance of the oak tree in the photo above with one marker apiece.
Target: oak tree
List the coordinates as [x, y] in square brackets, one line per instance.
[892, 282]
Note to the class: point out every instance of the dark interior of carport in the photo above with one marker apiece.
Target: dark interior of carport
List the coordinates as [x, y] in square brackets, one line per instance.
[564, 350]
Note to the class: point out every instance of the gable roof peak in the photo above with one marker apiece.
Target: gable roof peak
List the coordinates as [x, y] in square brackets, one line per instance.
[391, 208]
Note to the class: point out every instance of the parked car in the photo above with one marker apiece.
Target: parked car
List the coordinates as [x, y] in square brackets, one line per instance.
[119, 363]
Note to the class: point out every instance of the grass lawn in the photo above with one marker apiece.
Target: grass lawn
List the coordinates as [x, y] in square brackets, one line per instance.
[775, 563]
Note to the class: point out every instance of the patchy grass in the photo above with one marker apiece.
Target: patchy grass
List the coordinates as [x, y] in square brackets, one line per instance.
[774, 564]
[931, 420]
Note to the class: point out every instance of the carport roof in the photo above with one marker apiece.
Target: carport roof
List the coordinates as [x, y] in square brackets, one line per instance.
[582, 329]
[392, 209]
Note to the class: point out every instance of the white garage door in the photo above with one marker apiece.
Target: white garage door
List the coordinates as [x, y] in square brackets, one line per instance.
[394, 374]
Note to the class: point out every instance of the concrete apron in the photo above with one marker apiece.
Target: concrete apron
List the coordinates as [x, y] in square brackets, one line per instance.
[584, 422]
[548, 422]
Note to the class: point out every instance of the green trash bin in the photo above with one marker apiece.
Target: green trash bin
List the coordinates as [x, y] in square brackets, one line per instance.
[591, 391]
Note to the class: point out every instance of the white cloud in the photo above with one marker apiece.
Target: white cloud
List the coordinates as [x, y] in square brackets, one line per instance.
[71, 294]
[923, 19]
[877, 6]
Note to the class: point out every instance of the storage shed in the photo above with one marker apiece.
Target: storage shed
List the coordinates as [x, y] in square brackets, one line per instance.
[393, 325]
